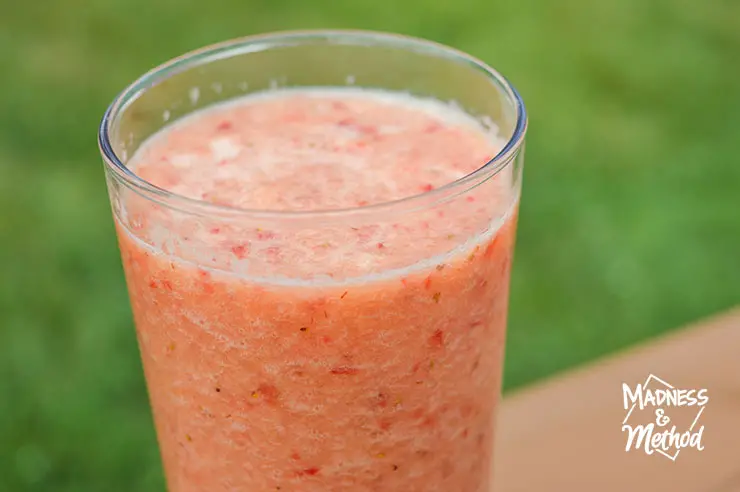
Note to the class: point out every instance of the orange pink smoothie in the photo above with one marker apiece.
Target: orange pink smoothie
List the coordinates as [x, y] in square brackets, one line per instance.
[358, 353]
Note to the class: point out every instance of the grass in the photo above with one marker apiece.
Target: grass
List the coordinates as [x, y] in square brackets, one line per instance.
[628, 226]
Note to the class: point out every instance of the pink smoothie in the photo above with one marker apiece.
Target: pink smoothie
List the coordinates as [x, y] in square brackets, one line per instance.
[359, 353]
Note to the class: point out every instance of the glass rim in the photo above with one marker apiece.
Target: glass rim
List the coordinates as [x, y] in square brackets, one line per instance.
[267, 41]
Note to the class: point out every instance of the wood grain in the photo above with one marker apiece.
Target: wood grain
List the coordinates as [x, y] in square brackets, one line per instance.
[565, 433]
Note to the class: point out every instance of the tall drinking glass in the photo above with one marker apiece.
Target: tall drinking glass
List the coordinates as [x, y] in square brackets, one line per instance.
[313, 344]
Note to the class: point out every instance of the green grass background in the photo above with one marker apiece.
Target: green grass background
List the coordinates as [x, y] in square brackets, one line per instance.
[630, 222]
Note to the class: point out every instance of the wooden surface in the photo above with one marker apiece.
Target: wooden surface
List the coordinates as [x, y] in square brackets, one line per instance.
[565, 434]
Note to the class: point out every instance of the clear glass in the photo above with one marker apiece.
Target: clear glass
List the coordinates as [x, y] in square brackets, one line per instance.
[287, 375]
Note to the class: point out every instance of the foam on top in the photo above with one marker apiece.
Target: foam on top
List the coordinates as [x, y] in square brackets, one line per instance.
[316, 148]
[321, 149]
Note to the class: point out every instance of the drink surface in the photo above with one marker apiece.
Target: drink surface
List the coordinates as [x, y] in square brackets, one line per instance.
[356, 354]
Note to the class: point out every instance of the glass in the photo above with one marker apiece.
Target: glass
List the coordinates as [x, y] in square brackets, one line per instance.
[284, 375]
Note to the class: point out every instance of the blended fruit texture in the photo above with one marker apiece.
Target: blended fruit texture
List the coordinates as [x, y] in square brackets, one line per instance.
[356, 352]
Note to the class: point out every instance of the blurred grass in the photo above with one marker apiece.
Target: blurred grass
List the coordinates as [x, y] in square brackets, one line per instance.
[629, 224]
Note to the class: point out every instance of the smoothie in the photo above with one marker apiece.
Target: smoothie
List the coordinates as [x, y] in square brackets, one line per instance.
[355, 354]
